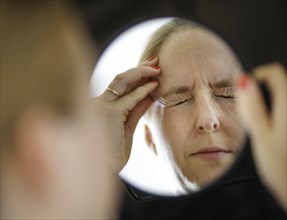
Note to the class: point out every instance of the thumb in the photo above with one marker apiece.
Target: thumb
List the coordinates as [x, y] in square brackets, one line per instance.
[251, 108]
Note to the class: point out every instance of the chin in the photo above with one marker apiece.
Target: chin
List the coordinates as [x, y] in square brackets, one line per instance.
[207, 175]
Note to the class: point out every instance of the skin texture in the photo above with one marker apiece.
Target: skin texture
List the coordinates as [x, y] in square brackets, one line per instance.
[195, 106]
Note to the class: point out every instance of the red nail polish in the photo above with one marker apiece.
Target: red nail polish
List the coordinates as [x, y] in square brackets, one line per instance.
[156, 67]
[151, 58]
[243, 82]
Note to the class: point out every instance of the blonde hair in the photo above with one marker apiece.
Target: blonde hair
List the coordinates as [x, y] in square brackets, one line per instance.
[160, 36]
[41, 57]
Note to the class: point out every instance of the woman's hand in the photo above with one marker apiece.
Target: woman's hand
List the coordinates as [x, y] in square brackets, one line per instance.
[268, 131]
[121, 106]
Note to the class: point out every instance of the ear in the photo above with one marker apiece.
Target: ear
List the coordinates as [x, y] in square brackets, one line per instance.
[149, 139]
[36, 146]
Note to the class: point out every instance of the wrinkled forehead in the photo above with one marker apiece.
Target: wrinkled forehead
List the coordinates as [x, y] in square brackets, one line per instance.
[194, 54]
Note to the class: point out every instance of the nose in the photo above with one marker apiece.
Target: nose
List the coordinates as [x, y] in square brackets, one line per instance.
[207, 120]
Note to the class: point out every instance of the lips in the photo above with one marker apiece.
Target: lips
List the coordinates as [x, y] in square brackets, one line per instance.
[210, 153]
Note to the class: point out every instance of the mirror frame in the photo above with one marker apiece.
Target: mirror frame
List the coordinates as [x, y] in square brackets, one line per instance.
[230, 176]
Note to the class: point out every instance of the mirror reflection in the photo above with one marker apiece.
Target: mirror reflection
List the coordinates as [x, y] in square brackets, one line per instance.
[190, 135]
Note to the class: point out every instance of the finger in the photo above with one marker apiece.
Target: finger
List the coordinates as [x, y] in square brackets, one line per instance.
[152, 61]
[129, 101]
[251, 107]
[274, 75]
[123, 82]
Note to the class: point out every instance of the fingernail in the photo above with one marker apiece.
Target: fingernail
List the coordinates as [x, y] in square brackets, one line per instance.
[156, 67]
[243, 82]
[151, 58]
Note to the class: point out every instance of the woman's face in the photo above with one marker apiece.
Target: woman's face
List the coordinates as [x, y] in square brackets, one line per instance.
[196, 127]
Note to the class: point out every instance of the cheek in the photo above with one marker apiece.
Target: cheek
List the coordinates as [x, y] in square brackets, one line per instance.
[175, 128]
[173, 124]
[231, 118]
[231, 125]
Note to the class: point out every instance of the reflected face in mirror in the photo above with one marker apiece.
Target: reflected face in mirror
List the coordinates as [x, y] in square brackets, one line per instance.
[193, 125]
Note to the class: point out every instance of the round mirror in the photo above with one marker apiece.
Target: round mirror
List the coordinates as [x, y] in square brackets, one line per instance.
[191, 135]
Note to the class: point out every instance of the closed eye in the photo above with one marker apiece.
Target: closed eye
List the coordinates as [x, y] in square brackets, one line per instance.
[174, 100]
[225, 96]
[227, 92]
[182, 101]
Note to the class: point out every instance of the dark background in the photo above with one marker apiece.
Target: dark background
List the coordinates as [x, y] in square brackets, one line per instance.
[257, 30]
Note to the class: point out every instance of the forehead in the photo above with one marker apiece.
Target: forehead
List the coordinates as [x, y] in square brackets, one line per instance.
[196, 55]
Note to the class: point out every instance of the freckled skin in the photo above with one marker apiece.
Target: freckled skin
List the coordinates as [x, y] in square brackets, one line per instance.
[196, 58]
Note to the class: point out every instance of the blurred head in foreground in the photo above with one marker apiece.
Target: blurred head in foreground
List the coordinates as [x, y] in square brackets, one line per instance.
[53, 164]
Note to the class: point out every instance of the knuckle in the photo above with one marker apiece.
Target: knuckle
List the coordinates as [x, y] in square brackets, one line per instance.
[141, 70]
[120, 77]
[130, 71]
[137, 72]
